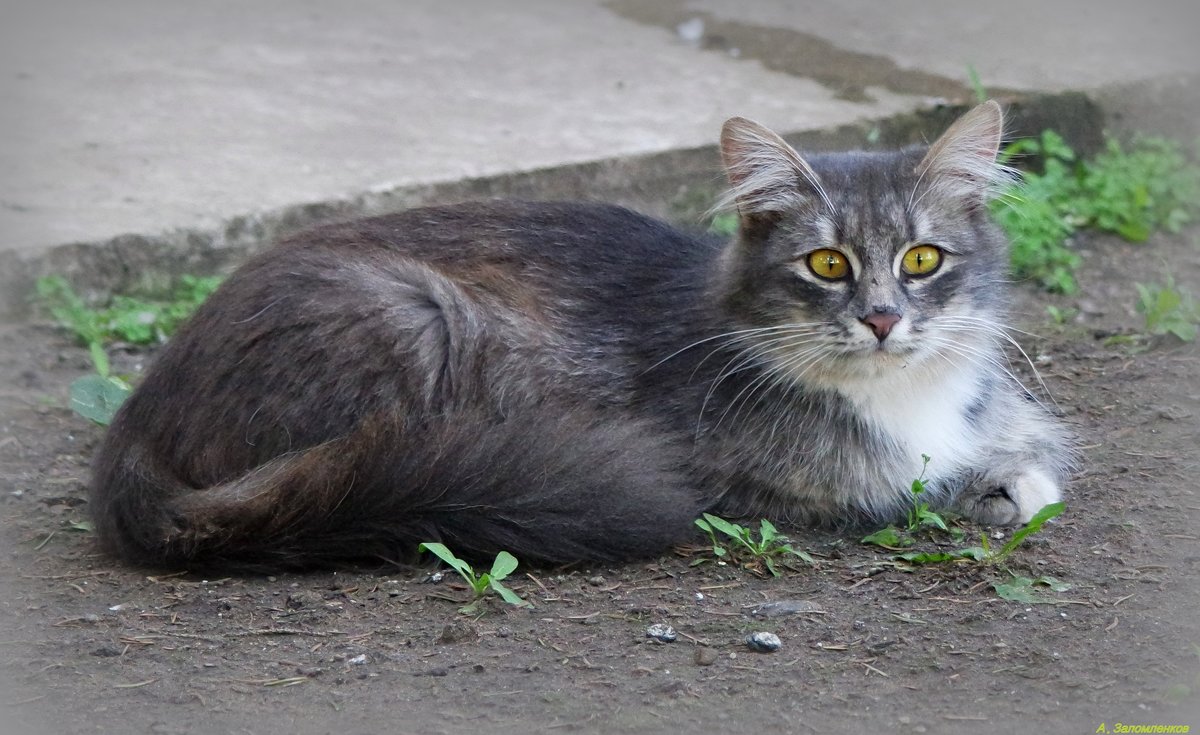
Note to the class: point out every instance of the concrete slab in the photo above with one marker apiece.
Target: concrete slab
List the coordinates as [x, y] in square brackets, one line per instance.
[136, 116]
[134, 123]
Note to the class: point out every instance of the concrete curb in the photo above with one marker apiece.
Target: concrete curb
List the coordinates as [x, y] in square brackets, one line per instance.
[678, 185]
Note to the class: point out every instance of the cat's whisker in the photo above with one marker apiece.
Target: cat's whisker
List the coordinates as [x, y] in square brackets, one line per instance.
[774, 369]
[980, 325]
[979, 356]
[804, 335]
[738, 334]
[991, 324]
[746, 358]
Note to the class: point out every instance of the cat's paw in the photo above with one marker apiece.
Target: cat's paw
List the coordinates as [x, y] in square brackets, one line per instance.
[1010, 502]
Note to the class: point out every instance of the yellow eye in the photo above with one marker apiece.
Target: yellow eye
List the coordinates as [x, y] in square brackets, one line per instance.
[828, 264]
[921, 260]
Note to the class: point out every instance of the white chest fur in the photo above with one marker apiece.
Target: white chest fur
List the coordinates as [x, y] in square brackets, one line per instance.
[924, 410]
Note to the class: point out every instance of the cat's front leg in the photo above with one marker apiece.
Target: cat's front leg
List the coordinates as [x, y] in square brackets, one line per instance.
[1011, 497]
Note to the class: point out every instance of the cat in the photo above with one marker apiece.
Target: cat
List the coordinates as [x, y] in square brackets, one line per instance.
[575, 381]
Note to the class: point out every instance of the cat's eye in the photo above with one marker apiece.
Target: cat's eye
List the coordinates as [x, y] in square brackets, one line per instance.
[828, 264]
[921, 260]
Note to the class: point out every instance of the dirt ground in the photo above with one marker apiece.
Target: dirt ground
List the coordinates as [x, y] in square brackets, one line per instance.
[89, 645]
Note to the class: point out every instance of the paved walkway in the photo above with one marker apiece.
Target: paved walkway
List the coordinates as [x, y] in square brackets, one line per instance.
[142, 116]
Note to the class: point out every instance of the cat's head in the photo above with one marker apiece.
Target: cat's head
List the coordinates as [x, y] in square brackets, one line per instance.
[856, 263]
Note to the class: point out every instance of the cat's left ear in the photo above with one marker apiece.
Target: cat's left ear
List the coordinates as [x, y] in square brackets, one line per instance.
[961, 164]
[766, 175]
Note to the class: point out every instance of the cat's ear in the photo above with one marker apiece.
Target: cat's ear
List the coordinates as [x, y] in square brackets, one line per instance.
[961, 164]
[766, 175]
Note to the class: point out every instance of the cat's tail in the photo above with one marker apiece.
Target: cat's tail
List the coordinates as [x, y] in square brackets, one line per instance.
[549, 486]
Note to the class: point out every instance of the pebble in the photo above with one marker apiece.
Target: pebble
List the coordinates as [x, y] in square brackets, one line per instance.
[662, 633]
[458, 632]
[595, 581]
[705, 656]
[358, 660]
[763, 642]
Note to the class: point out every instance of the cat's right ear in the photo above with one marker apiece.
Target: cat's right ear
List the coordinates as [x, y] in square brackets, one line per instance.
[766, 175]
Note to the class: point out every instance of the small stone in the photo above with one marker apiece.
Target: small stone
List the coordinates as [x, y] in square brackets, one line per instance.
[458, 632]
[503, 631]
[763, 642]
[699, 597]
[301, 599]
[435, 577]
[596, 580]
[705, 656]
[358, 660]
[107, 651]
[662, 633]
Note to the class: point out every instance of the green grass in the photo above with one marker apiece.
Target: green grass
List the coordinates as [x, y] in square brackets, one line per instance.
[481, 584]
[1168, 310]
[128, 319]
[1129, 191]
[140, 321]
[894, 540]
[977, 88]
[739, 544]
[920, 517]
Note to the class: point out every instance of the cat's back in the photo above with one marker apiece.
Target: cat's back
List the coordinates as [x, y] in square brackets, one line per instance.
[432, 306]
[591, 240]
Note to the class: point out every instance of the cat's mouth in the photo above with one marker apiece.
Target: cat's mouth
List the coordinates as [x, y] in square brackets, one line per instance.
[887, 353]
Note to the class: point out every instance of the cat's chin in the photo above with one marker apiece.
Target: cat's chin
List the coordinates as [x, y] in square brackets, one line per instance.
[866, 364]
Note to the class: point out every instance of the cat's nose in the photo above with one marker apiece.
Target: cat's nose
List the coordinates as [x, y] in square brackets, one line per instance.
[881, 323]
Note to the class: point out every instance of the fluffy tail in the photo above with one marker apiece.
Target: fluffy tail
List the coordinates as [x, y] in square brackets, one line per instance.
[545, 486]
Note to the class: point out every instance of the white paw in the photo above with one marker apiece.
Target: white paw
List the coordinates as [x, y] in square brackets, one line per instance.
[1032, 491]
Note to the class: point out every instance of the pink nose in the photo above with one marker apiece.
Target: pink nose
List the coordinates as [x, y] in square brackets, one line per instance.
[881, 323]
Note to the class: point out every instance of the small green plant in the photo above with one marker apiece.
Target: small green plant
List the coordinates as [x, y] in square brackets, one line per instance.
[126, 318]
[1035, 214]
[97, 397]
[1028, 590]
[1061, 316]
[481, 584]
[894, 539]
[1130, 191]
[980, 91]
[984, 552]
[764, 549]
[1168, 310]
[920, 516]
[724, 224]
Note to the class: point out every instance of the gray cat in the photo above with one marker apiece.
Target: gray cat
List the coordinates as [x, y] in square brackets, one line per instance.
[576, 381]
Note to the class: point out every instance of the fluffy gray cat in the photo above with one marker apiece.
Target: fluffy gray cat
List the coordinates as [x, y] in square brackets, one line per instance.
[576, 381]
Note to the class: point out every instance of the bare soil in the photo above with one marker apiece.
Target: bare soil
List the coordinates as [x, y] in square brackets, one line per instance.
[89, 645]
